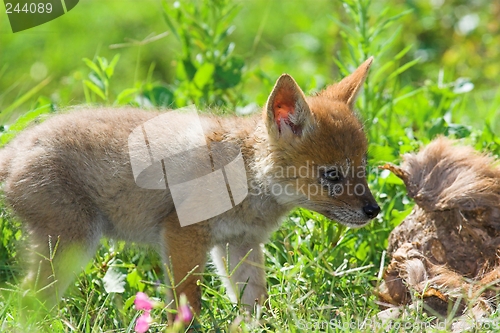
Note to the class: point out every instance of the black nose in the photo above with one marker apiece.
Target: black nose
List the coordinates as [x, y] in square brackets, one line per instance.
[371, 210]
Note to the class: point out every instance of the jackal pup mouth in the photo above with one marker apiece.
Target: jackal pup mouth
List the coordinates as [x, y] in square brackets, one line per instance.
[353, 218]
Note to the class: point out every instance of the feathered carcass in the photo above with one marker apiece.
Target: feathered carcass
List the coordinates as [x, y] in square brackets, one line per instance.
[446, 252]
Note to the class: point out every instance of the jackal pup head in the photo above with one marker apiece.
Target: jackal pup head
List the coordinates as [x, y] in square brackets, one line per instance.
[318, 149]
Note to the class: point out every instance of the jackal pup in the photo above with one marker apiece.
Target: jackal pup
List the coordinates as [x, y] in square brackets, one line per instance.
[70, 181]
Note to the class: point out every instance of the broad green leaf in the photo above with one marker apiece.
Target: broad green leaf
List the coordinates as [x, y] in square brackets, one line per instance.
[459, 131]
[204, 75]
[111, 68]
[125, 96]
[134, 280]
[186, 70]
[92, 66]
[97, 81]
[95, 89]
[103, 62]
[399, 216]
[439, 127]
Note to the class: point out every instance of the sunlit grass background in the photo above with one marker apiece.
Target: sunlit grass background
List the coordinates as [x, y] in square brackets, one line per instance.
[436, 72]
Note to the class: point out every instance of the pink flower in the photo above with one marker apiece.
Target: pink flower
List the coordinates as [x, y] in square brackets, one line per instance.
[142, 302]
[184, 313]
[142, 324]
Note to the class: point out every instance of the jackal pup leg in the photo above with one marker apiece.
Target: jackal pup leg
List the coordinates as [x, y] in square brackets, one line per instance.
[242, 273]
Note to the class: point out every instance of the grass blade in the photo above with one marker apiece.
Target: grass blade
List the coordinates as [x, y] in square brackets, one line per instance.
[5, 113]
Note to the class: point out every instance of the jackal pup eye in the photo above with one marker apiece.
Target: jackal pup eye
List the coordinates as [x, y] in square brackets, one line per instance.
[332, 175]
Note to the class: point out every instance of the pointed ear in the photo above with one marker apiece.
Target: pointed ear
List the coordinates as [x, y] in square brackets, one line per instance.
[347, 90]
[286, 109]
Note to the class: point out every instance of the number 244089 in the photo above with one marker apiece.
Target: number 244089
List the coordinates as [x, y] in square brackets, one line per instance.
[31, 8]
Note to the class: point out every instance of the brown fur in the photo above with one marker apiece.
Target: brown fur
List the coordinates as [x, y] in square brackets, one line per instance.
[70, 181]
[447, 248]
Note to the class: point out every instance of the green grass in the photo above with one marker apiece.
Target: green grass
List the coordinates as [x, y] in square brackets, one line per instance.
[321, 276]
